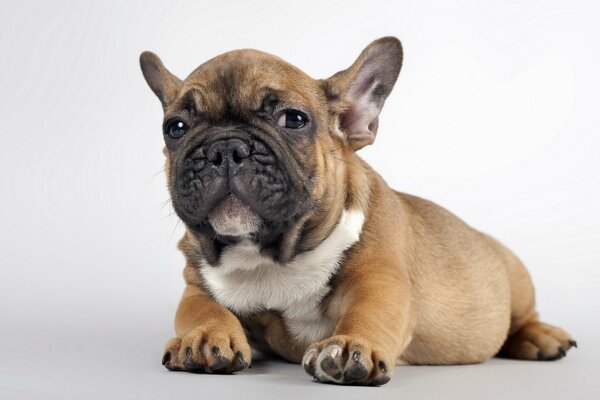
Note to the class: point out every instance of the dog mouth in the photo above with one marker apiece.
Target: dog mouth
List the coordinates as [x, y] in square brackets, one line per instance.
[232, 217]
[230, 184]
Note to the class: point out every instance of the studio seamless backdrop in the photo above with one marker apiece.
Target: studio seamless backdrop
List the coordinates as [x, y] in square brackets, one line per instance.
[493, 117]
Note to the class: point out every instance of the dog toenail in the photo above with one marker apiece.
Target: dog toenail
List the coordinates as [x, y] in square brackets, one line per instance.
[562, 351]
[355, 373]
[239, 356]
[382, 366]
[310, 369]
[330, 367]
[219, 364]
[382, 380]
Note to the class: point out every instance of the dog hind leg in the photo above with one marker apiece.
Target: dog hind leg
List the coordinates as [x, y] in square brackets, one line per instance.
[537, 341]
[529, 338]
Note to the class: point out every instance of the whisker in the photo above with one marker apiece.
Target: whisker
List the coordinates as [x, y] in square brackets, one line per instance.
[175, 228]
[164, 203]
[156, 174]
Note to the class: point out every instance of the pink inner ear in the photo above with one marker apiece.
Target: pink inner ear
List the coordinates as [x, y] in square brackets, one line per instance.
[360, 120]
[366, 85]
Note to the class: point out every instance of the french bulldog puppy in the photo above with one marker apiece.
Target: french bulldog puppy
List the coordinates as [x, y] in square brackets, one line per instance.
[296, 246]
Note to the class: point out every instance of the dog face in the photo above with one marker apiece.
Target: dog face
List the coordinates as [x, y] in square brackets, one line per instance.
[249, 138]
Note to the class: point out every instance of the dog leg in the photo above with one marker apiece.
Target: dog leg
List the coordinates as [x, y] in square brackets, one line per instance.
[371, 334]
[528, 338]
[210, 339]
[537, 341]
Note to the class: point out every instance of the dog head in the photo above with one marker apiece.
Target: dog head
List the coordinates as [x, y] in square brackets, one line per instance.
[255, 147]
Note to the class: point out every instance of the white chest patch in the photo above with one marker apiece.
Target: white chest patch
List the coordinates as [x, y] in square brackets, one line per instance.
[247, 282]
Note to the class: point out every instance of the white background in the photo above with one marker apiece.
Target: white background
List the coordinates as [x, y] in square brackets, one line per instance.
[495, 116]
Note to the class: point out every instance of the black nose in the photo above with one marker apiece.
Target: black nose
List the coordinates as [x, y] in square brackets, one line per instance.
[228, 152]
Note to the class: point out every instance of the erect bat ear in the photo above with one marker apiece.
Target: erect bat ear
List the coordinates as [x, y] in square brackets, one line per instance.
[163, 83]
[358, 93]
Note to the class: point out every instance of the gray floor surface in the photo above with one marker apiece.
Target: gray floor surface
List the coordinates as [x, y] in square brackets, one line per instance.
[95, 365]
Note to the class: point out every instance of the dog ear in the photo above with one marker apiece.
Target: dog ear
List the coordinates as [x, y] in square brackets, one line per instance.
[163, 83]
[357, 94]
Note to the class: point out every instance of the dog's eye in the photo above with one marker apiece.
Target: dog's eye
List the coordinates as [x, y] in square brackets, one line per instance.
[292, 119]
[176, 129]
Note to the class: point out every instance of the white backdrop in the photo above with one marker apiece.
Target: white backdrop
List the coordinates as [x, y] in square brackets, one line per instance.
[495, 117]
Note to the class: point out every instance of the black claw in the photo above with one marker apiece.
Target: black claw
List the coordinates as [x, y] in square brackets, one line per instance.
[562, 351]
[573, 343]
[188, 353]
[356, 372]
[541, 356]
[380, 380]
[166, 358]
[382, 367]
[310, 368]
[356, 356]
[238, 363]
[239, 356]
[194, 367]
[331, 368]
[220, 364]
[216, 352]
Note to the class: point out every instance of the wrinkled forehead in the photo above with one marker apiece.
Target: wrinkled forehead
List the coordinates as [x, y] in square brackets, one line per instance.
[242, 81]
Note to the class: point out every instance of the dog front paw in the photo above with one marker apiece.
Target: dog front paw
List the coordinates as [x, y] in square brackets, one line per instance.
[346, 360]
[206, 349]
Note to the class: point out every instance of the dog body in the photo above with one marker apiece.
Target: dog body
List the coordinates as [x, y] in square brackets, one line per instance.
[296, 246]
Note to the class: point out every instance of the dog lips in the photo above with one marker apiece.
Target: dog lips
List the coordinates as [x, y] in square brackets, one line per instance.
[231, 217]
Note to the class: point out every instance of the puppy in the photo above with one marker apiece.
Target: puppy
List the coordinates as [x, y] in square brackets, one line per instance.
[296, 247]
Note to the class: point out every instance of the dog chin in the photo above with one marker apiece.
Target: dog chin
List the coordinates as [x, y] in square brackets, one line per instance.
[231, 217]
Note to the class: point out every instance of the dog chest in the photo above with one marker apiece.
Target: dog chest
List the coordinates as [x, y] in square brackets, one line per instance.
[247, 282]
